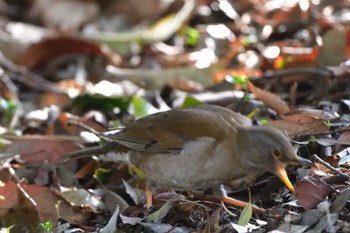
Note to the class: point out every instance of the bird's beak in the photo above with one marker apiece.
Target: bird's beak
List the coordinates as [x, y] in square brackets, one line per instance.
[306, 162]
[282, 174]
[301, 161]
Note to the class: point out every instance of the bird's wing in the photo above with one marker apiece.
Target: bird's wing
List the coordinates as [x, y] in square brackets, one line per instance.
[167, 132]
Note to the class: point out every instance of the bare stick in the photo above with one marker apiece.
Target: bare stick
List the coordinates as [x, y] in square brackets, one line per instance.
[330, 167]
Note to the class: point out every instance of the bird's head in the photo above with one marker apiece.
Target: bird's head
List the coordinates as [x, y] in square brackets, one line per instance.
[270, 150]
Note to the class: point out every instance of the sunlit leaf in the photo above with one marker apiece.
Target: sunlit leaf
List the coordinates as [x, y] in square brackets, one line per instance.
[46, 226]
[192, 36]
[190, 102]
[264, 121]
[279, 63]
[237, 79]
[245, 215]
[162, 212]
[102, 174]
[138, 172]
[140, 107]
[11, 107]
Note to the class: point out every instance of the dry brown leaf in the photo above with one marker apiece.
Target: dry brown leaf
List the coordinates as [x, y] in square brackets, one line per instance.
[310, 192]
[294, 129]
[212, 222]
[37, 151]
[270, 99]
[39, 203]
[303, 116]
[344, 138]
[85, 171]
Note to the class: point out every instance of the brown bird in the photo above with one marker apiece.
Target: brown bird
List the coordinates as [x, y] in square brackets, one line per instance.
[198, 148]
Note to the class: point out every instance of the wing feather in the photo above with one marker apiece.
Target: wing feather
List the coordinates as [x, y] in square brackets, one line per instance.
[168, 132]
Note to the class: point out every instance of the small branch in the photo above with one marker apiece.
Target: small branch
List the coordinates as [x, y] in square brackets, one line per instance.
[84, 126]
[330, 167]
[41, 137]
[315, 71]
[300, 135]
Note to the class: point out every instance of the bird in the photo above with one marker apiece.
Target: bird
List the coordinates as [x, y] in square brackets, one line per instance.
[197, 148]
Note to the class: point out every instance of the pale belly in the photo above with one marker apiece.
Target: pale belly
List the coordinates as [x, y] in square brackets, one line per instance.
[192, 169]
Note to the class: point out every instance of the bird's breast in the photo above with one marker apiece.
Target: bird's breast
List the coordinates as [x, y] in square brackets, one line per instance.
[201, 164]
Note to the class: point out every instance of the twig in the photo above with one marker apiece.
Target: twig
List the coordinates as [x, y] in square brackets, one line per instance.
[30, 78]
[315, 71]
[84, 126]
[321, 133]
[330, 167]
[227, 210]
[41, 137]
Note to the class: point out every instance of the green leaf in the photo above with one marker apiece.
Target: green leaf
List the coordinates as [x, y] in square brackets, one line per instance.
[264, 121]
[139, 173]
[246, 215]
[192, 36]
[246, 98]
[48, 225]
[102, 174]
[6, 229]
[327, 123]
[238, 79]
[140, 107]
[190, 102]
[10, 107]
[161, 213]
[45, 227]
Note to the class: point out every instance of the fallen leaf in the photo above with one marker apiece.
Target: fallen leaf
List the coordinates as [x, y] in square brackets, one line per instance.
[340, 201]
[303, 116]
[212, 222]
[270, 99]
[82, 198]
[44, 199]
[294, 129]
[310, 192]
[37, 151]
[162, 212]
[112, 223]
[162, 227]
[246, 215]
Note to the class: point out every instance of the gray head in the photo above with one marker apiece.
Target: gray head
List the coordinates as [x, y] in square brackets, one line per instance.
[268, 149]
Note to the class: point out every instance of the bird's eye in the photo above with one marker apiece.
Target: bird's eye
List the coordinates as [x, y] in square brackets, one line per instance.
[277, 153]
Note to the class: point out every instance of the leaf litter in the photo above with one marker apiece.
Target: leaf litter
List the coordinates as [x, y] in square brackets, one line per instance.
[113, 63]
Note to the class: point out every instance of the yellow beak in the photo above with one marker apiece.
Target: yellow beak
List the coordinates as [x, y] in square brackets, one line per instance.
[282, 174]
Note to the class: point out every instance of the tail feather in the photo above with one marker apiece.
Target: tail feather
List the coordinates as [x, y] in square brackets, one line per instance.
[86, 152]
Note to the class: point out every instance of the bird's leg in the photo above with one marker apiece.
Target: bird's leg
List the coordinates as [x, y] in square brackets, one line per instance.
[243, 204]
[148, 197]
[149, 187]
[220, 193]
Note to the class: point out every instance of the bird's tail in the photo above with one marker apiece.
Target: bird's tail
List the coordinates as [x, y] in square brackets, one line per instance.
[96, 150]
